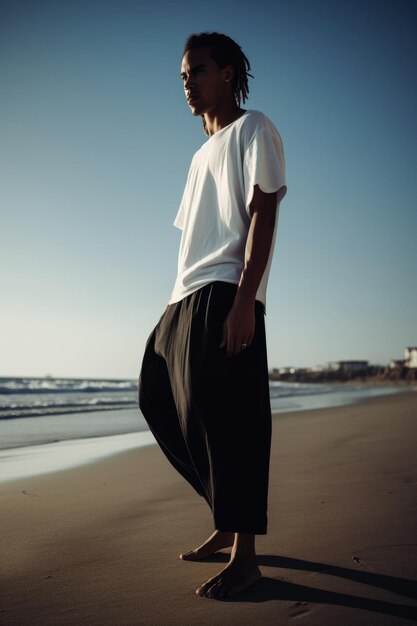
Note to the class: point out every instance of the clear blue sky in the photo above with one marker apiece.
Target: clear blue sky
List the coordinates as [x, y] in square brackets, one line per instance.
[96, 141]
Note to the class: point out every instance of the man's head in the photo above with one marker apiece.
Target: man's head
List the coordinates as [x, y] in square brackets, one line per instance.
[213, 69]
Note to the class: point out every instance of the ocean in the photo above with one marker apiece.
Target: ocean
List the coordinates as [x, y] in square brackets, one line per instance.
[29, 397]
[85, 419]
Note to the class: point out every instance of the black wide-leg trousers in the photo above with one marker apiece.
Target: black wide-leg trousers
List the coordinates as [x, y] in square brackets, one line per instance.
[210, 413]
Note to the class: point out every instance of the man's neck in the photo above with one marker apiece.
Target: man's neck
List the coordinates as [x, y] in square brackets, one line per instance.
[218, 120]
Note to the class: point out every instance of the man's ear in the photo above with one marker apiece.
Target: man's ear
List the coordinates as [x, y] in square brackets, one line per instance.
[228, 73]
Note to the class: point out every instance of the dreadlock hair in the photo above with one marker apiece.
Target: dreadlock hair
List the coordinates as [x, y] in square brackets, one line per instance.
[224, 51]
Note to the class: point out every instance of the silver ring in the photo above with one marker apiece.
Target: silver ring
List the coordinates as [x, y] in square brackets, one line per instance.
[244, 345]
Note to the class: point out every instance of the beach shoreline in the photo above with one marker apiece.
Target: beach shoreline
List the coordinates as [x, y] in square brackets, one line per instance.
[100, 543]
[31, 446]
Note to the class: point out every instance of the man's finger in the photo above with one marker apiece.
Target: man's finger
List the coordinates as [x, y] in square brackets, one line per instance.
[224, 338]
[236, 346]
[230, 344]
[249, 341]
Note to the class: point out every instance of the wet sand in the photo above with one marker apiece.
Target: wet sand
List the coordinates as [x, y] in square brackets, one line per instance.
[100, 543]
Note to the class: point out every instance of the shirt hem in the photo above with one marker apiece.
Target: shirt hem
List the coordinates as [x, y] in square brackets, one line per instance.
[209, 282]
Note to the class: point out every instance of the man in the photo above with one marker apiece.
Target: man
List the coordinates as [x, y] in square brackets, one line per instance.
[203, 387]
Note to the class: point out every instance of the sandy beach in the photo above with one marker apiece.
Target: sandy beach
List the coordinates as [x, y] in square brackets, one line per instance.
[100, 544]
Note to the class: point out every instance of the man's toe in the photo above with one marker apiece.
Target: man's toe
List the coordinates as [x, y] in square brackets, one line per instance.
[207, 586]
[221, 591]
[202, 590]
[187, 555]
[214, 590]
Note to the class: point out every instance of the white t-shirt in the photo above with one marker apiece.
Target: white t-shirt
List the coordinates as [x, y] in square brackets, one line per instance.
[214, 213]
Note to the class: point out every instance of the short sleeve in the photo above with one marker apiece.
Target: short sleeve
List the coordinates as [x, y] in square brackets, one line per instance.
[264, 163]
[180, 217]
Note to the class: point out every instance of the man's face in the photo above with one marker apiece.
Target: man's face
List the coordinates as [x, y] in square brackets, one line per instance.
[205, 84]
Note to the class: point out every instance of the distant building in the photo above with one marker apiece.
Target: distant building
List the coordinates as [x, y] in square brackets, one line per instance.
[286, 370]
[317, 368]
[410, 357]
[348, 366]
[396, 364]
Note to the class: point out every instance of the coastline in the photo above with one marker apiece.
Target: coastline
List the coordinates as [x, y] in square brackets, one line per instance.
[41, 445]
[100, 543]
[375, 382]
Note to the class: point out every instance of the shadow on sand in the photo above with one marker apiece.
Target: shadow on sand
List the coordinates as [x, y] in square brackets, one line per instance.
[278, 589]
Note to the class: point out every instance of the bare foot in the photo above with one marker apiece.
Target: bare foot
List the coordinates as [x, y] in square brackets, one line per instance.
[236, 576]
[217, 541]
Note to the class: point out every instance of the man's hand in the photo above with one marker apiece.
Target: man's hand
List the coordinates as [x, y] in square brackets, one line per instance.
[239, 327]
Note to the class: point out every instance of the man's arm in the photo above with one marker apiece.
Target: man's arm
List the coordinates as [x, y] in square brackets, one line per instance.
[239, 326]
